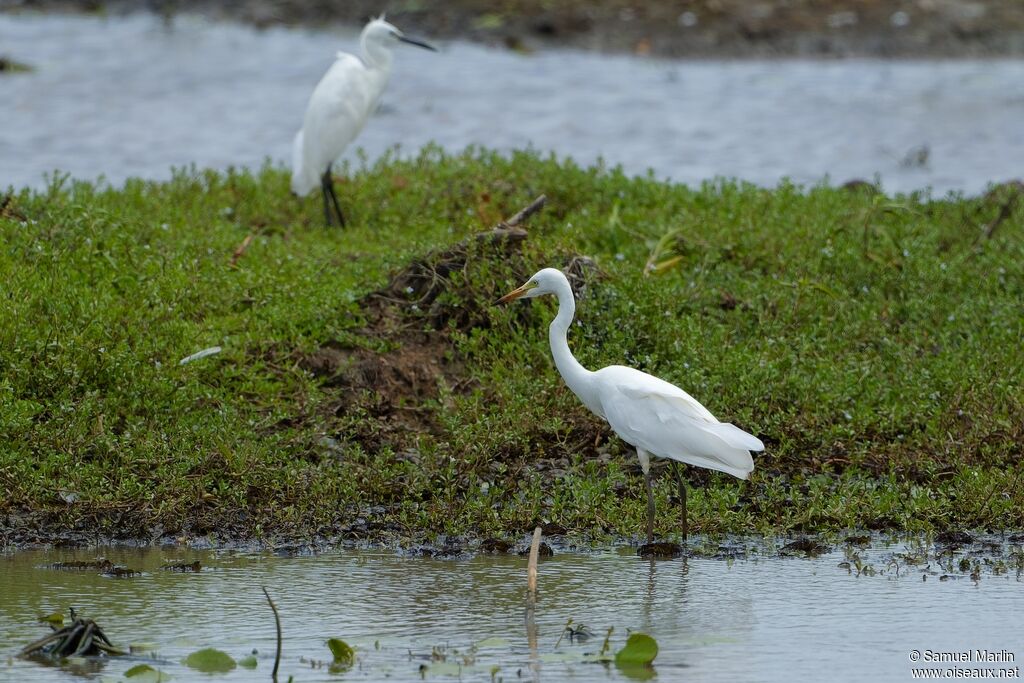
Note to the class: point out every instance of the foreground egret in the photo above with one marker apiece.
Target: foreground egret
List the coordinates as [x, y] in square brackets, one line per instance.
[338, 108]
[653, 416]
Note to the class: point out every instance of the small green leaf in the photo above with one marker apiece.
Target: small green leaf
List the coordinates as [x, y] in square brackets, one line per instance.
[248, 662]
[210, 661]
[640, 648]
[342, 651]
[56, 619]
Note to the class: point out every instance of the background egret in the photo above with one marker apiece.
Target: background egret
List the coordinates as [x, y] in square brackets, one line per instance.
[653, 416]
[338, 109]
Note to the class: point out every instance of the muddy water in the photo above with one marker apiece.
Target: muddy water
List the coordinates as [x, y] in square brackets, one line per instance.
[761, 617]
[133, 96]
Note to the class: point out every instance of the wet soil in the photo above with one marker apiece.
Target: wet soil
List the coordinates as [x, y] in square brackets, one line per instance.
[674, 28]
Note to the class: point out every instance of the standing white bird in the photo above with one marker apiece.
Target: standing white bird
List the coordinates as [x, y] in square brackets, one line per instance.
[653, 416]
[339, 107]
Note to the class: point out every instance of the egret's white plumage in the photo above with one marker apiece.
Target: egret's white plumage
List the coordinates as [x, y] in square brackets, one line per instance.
[655, 417]
[340, 105]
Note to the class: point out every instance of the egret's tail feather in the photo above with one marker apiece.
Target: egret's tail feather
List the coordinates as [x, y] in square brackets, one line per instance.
[734, 436]
[736, 462]
[724, 447]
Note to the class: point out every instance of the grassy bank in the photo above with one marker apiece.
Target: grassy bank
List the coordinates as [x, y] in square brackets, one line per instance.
[873, 343]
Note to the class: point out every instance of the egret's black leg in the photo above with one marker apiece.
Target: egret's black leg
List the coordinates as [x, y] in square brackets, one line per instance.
[682, 497]
[650, 508]
[327, 183]
[327, 206]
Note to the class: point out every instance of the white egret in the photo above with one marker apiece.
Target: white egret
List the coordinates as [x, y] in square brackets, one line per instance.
[339, 107]
[653, 416]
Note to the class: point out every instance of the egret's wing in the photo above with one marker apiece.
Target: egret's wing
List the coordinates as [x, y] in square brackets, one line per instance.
[338, 108]
[304, 179]
[666, 421]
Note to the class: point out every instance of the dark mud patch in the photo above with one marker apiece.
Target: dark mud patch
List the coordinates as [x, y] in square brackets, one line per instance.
[404, 359]
[658, 550]
[494, 546]
[953, 538]
[674, 28]
[543, 550]
[99, 565]
[121, 573]
[183, 567]
[805, 547]
[102, 566]
[447, 548]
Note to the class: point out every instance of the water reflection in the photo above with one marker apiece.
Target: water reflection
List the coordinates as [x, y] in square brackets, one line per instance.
[715, 620]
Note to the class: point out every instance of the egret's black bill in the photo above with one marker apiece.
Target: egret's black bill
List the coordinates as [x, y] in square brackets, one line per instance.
[417, 43]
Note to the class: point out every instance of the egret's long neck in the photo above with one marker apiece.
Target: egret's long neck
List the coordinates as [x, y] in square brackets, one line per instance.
[375, 55]
[577, 377]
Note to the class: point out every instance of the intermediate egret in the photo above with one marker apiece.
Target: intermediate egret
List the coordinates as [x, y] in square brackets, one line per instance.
[653, 416]
[339, 107]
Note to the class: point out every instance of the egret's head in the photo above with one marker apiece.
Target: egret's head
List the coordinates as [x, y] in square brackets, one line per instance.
[380, 32]
[546, 281]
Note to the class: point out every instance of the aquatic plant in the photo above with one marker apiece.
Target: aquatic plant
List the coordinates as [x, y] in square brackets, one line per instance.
[81, 638]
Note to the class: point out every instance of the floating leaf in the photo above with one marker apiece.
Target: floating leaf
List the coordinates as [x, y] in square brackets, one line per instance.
[144, 673]
[640, 648]
[342, 651]
[56, 619]
[248, 662]
[636, 672]
[210, 661]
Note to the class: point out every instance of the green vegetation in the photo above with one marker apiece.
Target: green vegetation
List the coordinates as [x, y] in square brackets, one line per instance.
[873, 343]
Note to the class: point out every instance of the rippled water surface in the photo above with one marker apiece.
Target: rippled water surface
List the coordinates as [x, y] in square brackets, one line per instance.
[761, 618]
[133, 96]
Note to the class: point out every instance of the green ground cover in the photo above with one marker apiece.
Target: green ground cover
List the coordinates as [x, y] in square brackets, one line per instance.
[873, 343]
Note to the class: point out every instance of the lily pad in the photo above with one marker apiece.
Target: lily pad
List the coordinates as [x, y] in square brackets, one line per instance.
[210, 661]
[248, 662]
[342, 651]
[144, 673]
[640, 648]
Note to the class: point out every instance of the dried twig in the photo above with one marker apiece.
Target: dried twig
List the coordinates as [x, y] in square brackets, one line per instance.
[241, 249]
[277, 622]
[535, 206]
[1005, 211]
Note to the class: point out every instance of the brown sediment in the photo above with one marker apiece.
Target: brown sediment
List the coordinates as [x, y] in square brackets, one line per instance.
[808, 547]
[405, 354]
[673, 28]
[659, 550]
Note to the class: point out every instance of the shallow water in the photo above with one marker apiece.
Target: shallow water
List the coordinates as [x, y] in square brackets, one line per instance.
[132, 96]
[763, 617]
